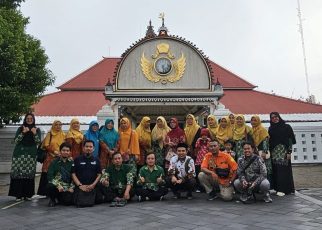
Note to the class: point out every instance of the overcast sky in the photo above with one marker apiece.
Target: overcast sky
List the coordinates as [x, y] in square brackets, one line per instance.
[255, 39]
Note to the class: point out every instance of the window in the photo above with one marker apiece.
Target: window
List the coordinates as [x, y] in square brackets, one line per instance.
[314, 149]
[312, 135]
[313, 142]
[303, 142]
[295, 150]
[304, 150]
[295, 158]
[315, 157]
[305, 157]
[303, 135]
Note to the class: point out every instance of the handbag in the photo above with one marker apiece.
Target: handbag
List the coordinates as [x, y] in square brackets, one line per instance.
[268, 154]
[84, 199]
[41, 152]
[222, 173]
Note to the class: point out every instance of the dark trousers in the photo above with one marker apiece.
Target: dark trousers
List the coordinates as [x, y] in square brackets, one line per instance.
[188, 185]
[151, 194]
[109, 194]
[65, 198]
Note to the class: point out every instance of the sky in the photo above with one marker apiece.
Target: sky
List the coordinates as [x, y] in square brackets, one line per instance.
[258, 40]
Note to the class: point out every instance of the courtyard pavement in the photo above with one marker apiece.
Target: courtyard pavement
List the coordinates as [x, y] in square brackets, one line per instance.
[300, 211]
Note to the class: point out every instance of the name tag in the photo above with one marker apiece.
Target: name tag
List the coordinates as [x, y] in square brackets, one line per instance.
[93, 162]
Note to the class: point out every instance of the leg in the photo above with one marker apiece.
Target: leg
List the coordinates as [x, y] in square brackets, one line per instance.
[156, 195]
[53, 193]
[206, 181]
[189, 185]
[226, 192]
[142, 193]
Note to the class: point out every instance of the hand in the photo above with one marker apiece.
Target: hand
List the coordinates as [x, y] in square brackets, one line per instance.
[90, 187]
[25, 129]
[105, 182]
[34, 130]
[252, 185]
[159, 179]
[71, 190]
[83, 188]
[126, 195]
[263, 155]
[179, 181]
[174, 180]
[142, 179]
[245, 184]
[60, 188]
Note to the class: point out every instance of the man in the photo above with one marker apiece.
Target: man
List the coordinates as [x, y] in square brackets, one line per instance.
[117, 181]
[60, 184]
[252, 175]
[218, 169]
[181, 172]
[86, 172]
[150, 181]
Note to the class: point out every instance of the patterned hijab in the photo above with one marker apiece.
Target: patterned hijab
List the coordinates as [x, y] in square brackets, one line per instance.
[157, 132]
[259, 131]
[191, 130]
[76, 134]
[176, 134]
[109, 136]
[212, 128]
[224, 133]
[241, 130]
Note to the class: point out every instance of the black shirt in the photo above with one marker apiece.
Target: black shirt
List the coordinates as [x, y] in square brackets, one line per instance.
[86, 169]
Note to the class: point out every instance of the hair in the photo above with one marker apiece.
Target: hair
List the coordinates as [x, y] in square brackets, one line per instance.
[116, 153]
[184, 145]
[248, 143]
[88, 141]
[149, 152]
[65, 144]
[230, 141]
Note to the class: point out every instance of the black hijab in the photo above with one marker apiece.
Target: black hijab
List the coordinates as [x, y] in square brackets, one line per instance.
[280, 133]
[28, 139]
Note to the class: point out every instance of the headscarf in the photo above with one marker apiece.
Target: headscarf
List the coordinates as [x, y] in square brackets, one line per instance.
[204, 132]
[241, 131]
[28, 138]
[191, 130]
[56, 139]
[259, 132]
[109, 136]
[125, 136]
[91, 135]
[74, 133]
[280, 133]
[176, 135]
[157, 132]
[144, 134]
[224, 134]
[212, 128]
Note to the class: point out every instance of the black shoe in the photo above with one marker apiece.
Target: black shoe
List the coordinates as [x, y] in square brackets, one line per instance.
[212, 195]
[189, 195]
[177, 195]
[51, 203]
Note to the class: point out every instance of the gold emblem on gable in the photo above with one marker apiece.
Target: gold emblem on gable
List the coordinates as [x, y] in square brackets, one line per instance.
[163, 65]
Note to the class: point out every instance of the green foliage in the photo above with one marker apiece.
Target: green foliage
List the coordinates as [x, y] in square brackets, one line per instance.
[10, 3]
[23, 72]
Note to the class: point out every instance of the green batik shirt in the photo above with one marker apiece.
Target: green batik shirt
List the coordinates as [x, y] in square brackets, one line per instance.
[59, 173]
[119, 178]
[151, 177]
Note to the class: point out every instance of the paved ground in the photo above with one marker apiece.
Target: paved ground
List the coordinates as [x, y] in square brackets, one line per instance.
[300, 211]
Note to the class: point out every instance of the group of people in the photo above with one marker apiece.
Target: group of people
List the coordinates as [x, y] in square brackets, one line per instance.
[105, 165]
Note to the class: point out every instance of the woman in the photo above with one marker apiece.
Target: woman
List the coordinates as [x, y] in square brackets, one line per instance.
[175, 136]
[261, 142]
[93, 134]
[212, 126]
[109, 138]
[232, 120]
[23, 168]
[241, 133]
[145, 139]
[192, 132]
[159, 133]
[224, 132]
[280, 144]
[129, 141]
[75, 137]
[54, 138]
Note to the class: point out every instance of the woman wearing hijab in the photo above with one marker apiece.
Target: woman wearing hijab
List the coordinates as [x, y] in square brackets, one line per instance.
[280, 144]
[54, 138]
[224, 132]
[175, 136]
[261, 141]
[23, 168]
[109, 138]
[75, 137]
[192, 132]
[241, 133]
[212, 126]
[129, 141]
[232, 119]
[159, 133]
[145, 138]
[93, 134]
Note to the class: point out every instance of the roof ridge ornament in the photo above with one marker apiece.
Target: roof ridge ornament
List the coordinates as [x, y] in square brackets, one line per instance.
[163, 30]
[150, 31]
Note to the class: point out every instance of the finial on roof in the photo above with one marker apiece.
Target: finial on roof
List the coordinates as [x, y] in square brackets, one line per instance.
[163, 31]
[150, 31]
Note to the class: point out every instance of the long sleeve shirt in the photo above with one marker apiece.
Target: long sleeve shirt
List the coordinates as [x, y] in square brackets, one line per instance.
[255, 173]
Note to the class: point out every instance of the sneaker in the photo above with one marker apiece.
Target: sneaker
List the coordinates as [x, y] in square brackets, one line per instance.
[176, 196]
[51, 203]
[267, 198]
[161, 198]
[113, 204]
[121, 203]
[18, 199]
[139, 198]
[212, 195]
[243, 197]
[280, 194]
[198, 191]
[28, 198]
[147, 198]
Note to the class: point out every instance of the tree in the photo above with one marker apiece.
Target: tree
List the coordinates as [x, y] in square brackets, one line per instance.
[23, 72]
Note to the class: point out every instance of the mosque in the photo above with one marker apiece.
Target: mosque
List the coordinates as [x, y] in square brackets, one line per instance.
[167, 75]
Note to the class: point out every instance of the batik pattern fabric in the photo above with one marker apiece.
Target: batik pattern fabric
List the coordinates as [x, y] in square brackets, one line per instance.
[151, 177]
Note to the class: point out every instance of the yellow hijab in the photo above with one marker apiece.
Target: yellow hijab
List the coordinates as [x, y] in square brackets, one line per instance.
[144, 134]
[191, 130]
[224, 134]
[240, 131]
[125, 136]
[76, 134]
[157, 132]
[259, 131]
[56, 139]
[212, 128]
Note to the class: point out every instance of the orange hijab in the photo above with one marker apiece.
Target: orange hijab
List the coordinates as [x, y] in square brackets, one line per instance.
[127, 135]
